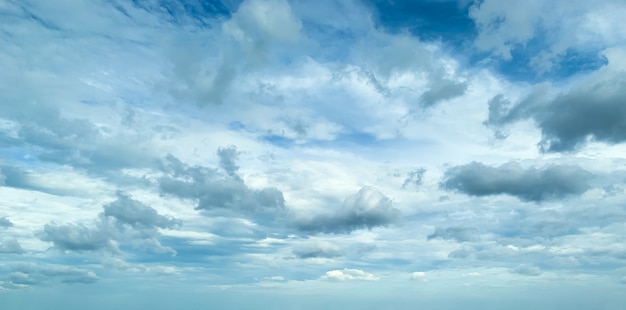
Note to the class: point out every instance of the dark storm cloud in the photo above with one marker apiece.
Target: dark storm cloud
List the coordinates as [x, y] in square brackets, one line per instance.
[366, 209]
[531, 184]
[460, 234]
[318, 250]
[594, 111]
[215, 188]
[5, 222]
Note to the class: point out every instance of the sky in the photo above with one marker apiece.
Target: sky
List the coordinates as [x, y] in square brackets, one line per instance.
[331, 154]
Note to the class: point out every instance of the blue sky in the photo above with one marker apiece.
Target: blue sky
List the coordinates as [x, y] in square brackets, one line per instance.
[274, 154]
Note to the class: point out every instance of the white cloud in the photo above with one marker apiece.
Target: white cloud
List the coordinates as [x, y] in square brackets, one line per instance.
[419, 276]
[349, 274]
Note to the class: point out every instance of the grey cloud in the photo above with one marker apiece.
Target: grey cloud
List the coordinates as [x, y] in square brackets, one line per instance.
[213, 189]
[137, 214]
[124, 221]
[5, 222]
[28, 274]
[76, 142]
[460, 234]
[10, 246]
[318, 249]
[442, 90]
[593, 111]
[76, 237]
[414, 178]
[462, 253]
[532, 184]
[528, 270]
[228, 160]
[368, 208]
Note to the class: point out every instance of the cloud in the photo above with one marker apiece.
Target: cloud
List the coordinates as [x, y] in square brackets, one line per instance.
[592, 110]
[213, 189]
[318, 250]
[10, 246]
[419, 276]
[441, 90]
[545, 33]
[76, 237]
[124, 220]
[5, 222]
[29, 274]
[460, 234]
[527, 270]
[414, 178]
[349, 275]
[368, 208]
[136, 214]
[531, 184]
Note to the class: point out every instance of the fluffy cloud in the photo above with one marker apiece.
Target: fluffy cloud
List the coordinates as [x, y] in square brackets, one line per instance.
[10, 246]
[124, 220]
[368, 208]
[219, 189]
[527, 270]
[29, 274]
[419, 276]
[531, 184]
[136, 214]
[318, 250]
[546, 30]
[348, 275]
[593, 110]
[76, 237]
[460, 234]
[5, 222]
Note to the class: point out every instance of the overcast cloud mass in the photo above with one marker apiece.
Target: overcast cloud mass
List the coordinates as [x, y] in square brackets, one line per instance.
[287, 154]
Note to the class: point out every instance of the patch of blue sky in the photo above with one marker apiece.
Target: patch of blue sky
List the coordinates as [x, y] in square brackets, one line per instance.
[179, 12]
[445, 21]
[519, 68]
[347, 141]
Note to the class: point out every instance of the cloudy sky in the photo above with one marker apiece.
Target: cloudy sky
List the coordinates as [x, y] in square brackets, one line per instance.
[331, 154]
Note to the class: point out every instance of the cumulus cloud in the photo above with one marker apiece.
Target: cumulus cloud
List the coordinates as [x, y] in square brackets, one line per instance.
[441, 90]
[547, 30]
[214, 189]
[76, 237]
[368, 208]
[349, 275]
[531, 184]
[124, 220]
[10, 246]
[592, 111]
[527, 270]
[318, 250]
[459, 234]
[419, 276]
[5, 222]
[29, 274]
[136, 214]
